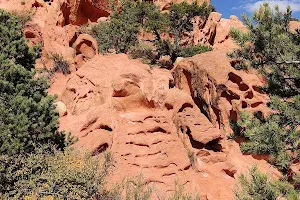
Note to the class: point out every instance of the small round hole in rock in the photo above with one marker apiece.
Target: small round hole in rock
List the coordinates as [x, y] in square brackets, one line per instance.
[244, 104]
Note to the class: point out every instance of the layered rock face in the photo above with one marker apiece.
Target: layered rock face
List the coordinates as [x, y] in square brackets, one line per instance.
[166, 125]
[218, 90]
[83, 10]
[158, 130]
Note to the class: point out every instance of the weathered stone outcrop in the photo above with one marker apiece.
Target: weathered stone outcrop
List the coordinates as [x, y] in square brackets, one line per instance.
[294, 25]
[167, 125]
[82, 11]
[218, 89]
[151, 127]
[86, 45]
[215, 30]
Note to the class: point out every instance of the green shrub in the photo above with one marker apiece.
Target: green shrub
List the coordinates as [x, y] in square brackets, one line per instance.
[191, 157]
[120, 33]
[180, 21]
[271, 48]
[274, 51]
[144, 51]
[63, 175]
[60, 64]
[191, 50]
[12, 42]
[127, 20]
[257, 186]
[180, 194]
[27, 115]
[137, 190]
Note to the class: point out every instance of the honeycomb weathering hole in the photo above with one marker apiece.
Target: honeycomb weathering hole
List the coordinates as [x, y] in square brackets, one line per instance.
[105, 127]
[29, 35]
[230, 173]
[230, 96]
[254, 105]
[157, 129]
[168, 106]
[120, 93]
[185, 105]
[249, 95]
[234, 78]
[257, 89]
[214, 145]
[244, 104]
[100, 149]
[238, 80]
[233, 115]
[243, 87]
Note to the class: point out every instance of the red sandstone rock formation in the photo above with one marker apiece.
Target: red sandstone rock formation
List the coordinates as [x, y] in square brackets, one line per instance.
[218, 89]
[80, 11]
[121, 105]
[151, 122]
[294, 25]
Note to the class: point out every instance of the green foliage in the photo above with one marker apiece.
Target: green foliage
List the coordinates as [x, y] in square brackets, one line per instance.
[257, 186]
[130, 18]
[181, 15]
[191, 157]
[63, 175]
[144, 51]
[180, 194]
[27, 114]
[270, 48]
[12, 42]
[120, 33]
[136, 189]
[180, 21]
[274, 51]
[60, 64]
[270, 137]
[190, 51]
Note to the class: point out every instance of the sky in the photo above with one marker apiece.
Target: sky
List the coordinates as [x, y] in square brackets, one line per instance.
[237, 7]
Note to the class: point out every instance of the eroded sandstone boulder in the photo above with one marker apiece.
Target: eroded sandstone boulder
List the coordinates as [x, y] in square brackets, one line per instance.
[61, 108]
[86, 45]
[151, 127]
[167, 129]
[82, 11]
[218, 89]
[294, 25]
[206, 34]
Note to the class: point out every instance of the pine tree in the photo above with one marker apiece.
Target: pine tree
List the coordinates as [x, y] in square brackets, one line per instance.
[131, 17]
[12, 42]
[274, 51]
[28, 118]
[258, 186]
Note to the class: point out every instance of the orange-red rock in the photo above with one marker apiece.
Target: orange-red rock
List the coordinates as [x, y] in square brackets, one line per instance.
[166, 126]
[294, 25]
[82, 11]
[120, 105]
